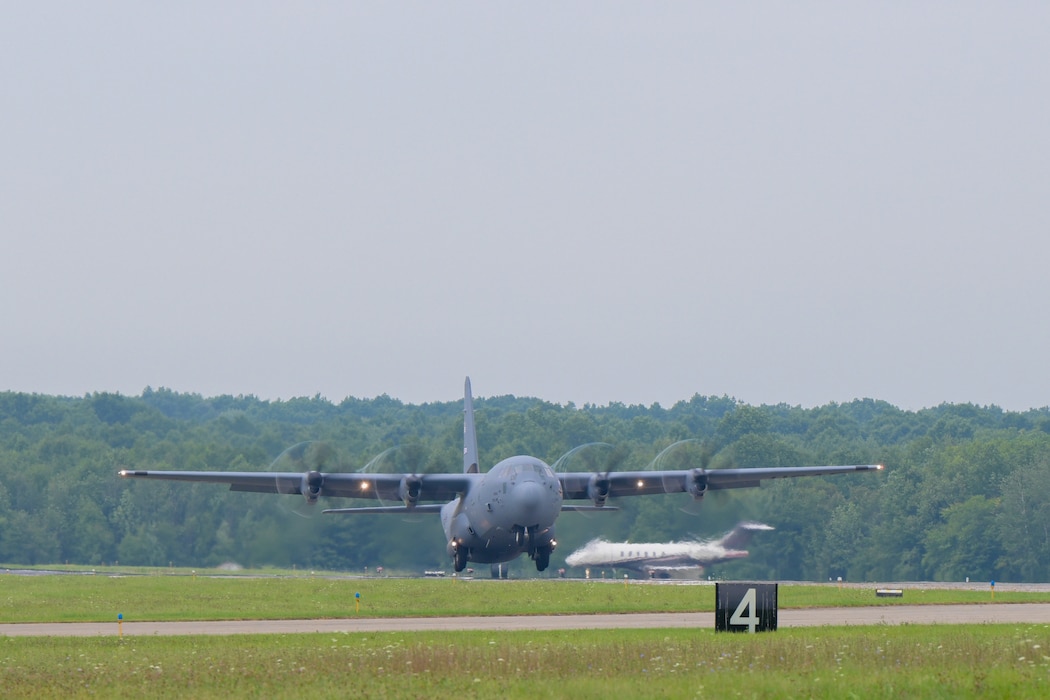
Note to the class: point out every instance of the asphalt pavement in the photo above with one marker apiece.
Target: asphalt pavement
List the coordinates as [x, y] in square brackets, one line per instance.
[987, 613]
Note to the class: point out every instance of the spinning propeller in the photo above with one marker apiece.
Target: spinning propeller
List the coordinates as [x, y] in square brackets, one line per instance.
[599, 458]
[311, 459]
[406, 460]
[694, 456]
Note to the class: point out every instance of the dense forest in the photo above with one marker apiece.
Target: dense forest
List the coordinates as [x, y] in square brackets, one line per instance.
[965, 493]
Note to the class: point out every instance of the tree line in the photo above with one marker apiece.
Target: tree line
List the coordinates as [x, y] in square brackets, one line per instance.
[965, 493]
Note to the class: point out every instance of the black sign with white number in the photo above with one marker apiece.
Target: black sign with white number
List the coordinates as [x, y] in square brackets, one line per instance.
[746, 607]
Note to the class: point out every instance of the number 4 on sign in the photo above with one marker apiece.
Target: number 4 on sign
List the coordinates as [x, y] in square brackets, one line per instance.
[745, 612]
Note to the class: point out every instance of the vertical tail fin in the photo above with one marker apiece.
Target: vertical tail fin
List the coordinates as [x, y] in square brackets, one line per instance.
[740, 535]
[470, 438]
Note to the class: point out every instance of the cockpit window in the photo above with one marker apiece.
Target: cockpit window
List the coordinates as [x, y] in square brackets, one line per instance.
[512, 470]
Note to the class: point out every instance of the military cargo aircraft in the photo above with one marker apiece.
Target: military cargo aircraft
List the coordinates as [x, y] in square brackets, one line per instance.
[666, 559]
[495, 516]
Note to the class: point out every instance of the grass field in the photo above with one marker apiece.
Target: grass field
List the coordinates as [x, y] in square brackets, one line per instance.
[929, 661]
[878, 662]
[100, 598]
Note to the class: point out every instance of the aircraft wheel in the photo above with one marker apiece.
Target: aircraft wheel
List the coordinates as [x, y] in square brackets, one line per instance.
[543, 558]
[460, 562]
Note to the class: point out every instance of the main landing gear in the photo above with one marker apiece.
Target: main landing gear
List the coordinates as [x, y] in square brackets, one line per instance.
[459, 559]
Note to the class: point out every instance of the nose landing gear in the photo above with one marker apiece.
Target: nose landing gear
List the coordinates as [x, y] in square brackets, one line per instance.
[523, 536]
[536, 544]
[542, 556]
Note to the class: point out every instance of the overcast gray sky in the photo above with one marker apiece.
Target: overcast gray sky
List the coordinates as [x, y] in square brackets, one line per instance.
[590, 202]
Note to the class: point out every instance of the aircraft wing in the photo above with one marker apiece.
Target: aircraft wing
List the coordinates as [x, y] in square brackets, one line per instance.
[583, 485]
[385, 487]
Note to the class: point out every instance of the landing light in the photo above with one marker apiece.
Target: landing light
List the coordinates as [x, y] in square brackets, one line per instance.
[641, 483]
[880, 467]
[364, 485]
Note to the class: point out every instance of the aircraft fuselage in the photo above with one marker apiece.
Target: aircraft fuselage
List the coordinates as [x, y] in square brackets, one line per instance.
[508, 511]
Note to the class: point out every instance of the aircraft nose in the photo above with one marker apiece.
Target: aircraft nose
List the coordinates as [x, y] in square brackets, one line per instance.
[528, 496]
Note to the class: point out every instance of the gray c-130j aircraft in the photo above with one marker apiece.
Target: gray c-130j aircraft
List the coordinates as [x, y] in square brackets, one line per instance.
[495, 516]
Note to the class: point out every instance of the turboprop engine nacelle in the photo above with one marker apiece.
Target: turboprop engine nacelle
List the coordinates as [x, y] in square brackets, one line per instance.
[698, 484]
[409, 489]
[311, 487]
[598, 489]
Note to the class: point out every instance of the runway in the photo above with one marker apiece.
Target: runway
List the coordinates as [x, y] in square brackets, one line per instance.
[989, 613]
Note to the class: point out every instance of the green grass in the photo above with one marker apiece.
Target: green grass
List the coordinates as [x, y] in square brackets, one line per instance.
[998, 661]
[929, 661]
[101, 598]
[847, 596]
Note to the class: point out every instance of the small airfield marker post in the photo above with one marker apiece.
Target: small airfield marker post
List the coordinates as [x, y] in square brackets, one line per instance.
[745, 607]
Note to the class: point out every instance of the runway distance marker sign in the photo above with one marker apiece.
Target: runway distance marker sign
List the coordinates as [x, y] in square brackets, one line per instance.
[745, 607]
